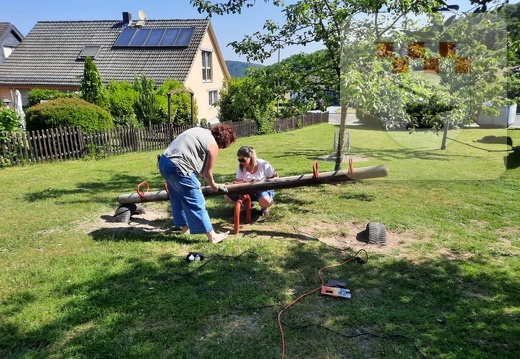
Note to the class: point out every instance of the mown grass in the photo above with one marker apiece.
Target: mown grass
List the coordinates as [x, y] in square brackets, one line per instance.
[448, 283]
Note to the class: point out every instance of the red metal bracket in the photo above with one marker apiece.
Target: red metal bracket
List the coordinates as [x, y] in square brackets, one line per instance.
[246, 200]
[315, 172]
[141, 193]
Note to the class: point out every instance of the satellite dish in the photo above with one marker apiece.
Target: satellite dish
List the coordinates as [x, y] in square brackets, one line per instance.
[142, 15]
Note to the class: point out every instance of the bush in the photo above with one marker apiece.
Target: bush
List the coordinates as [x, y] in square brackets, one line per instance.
[146, 108]
[244, 99]
[68, 112]
[428, 113]
[37, 95]
[180, 103]
[121, 99]
[9, 120]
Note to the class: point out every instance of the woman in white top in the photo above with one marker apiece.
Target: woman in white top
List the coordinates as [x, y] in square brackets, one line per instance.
[253, 169]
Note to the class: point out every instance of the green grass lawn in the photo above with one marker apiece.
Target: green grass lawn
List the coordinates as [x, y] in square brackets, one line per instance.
[447, 285]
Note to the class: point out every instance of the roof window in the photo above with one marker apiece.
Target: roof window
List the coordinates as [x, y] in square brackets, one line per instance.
[89, 50]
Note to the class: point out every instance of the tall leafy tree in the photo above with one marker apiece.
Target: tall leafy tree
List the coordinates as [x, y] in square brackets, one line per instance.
[92, 88]
[308, 21]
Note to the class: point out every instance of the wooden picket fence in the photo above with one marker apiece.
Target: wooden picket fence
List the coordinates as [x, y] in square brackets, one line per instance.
[58, 144]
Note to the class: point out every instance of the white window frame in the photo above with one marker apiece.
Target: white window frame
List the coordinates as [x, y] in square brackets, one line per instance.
[212, 97]
[207, 65]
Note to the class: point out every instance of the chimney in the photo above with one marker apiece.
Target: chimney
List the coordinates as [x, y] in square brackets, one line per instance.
[127, 18]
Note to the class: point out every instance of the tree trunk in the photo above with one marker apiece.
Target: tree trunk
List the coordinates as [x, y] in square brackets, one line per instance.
[341, 136]
[445, 133]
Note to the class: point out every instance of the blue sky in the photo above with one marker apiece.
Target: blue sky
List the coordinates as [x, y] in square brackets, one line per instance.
[26, 13]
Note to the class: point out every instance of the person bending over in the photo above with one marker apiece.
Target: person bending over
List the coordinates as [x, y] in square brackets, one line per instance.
[192, 153]
[253, 169]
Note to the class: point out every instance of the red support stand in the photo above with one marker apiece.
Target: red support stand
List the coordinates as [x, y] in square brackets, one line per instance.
[246, 200]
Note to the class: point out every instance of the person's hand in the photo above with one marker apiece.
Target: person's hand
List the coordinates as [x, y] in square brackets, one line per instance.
[222, 189]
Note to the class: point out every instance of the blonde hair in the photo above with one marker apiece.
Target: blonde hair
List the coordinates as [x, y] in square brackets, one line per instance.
[247, 151]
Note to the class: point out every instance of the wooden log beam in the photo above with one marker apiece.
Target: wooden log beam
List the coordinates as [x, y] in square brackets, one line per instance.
[274, 183]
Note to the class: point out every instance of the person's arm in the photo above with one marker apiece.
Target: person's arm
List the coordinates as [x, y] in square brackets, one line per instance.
[271, 171]
[209, 163]
[239, 177]
[275, 175]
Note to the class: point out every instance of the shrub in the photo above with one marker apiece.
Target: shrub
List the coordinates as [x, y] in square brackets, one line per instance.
[92, 89]
[68, 112]
[9, 120]
[121, 98]
[180, 103]
[242, 99]
[428, 113]
[146, 108]
[37, 95]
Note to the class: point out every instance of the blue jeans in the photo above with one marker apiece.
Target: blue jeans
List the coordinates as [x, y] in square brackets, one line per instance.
[186, 198]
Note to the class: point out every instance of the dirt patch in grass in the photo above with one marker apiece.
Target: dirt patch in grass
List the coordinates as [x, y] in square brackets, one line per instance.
[354, 236]
[155, 219]
[346, 235]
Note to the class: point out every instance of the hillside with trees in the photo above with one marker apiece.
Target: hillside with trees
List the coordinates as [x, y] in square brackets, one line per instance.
[238, 68]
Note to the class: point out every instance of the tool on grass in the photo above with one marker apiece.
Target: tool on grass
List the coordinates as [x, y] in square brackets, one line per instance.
[336, 288]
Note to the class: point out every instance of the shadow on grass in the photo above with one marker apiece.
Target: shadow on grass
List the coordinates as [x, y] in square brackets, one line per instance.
[166, 307]
[512, 160]
[94, 191]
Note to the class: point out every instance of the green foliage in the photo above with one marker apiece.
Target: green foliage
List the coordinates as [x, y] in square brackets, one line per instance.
[9, 123]
[146, 107]
[373, 87]
[66, 112]
[511, 14]
[239, 68]
[180, 103]
[37, 95]
[121, 98]
[428, 112]
[247, 98]
[9, 120]
[513, 84]
[92, 88]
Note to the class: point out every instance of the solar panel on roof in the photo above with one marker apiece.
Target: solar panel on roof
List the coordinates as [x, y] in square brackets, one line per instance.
[184, 37]
[125, 37]
[155, 37]
[140, 37]
[169, 37]
[161, 37]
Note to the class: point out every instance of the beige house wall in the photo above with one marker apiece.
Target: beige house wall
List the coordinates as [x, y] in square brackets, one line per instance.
[202, 88]
[193, 81]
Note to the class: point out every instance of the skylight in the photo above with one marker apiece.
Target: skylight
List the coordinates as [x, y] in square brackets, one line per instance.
[89, 50]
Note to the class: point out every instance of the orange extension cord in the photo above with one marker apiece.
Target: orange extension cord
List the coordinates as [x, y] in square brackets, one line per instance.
[308, 293]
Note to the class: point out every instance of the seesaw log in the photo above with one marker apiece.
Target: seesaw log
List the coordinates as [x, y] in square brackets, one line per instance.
[274, 183]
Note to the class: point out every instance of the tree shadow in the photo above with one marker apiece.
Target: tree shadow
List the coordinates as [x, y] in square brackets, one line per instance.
[512, 160]
[163, 306]
[95, 191]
